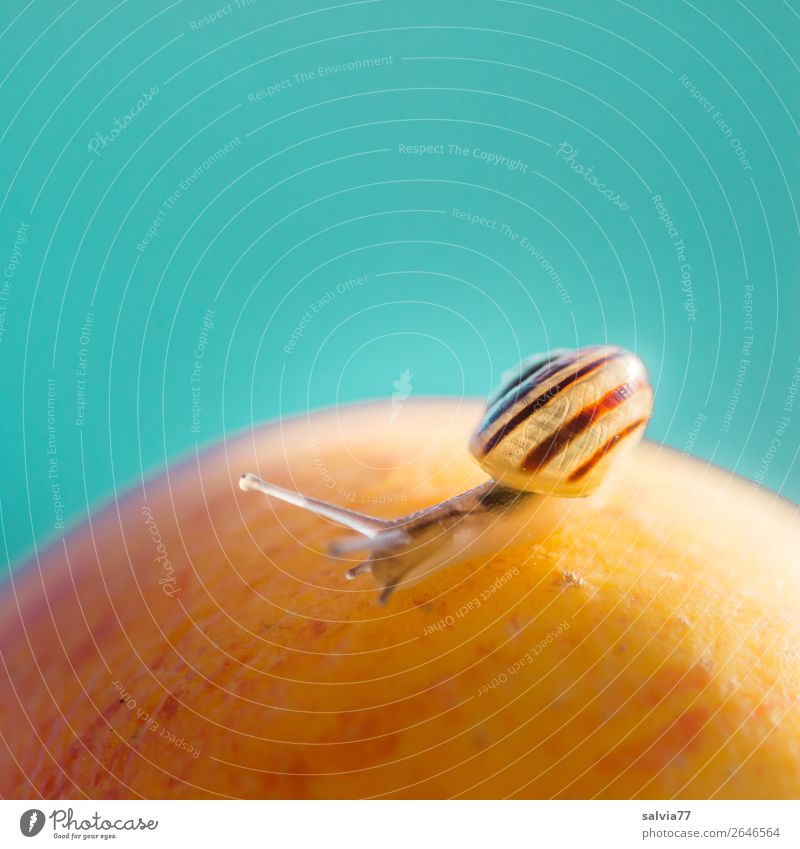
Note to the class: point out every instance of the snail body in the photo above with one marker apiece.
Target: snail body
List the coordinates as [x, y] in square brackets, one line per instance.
[556, 426]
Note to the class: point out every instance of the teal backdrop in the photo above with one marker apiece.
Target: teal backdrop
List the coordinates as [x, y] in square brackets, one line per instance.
[214, 214]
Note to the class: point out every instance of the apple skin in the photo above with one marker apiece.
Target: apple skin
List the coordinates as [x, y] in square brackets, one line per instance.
[193, 640]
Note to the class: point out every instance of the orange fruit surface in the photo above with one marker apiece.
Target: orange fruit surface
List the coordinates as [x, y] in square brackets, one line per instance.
[193, 640]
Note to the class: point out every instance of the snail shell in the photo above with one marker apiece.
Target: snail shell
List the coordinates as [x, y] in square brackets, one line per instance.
[559, 420]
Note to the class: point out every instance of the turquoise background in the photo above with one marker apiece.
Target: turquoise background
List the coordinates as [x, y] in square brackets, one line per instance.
[317, 190]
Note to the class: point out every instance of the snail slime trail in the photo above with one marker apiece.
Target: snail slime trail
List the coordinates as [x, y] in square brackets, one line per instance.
[557, 425]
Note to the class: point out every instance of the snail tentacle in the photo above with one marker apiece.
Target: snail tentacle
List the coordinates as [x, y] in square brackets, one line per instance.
[369, 526]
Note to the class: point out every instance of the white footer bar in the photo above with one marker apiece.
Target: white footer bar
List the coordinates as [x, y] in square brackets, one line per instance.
[402, 824]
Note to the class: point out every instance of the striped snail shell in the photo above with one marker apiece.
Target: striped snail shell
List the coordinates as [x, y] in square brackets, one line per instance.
[558, 421]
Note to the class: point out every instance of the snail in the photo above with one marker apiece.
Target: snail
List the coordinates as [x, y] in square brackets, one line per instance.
[555, 426]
